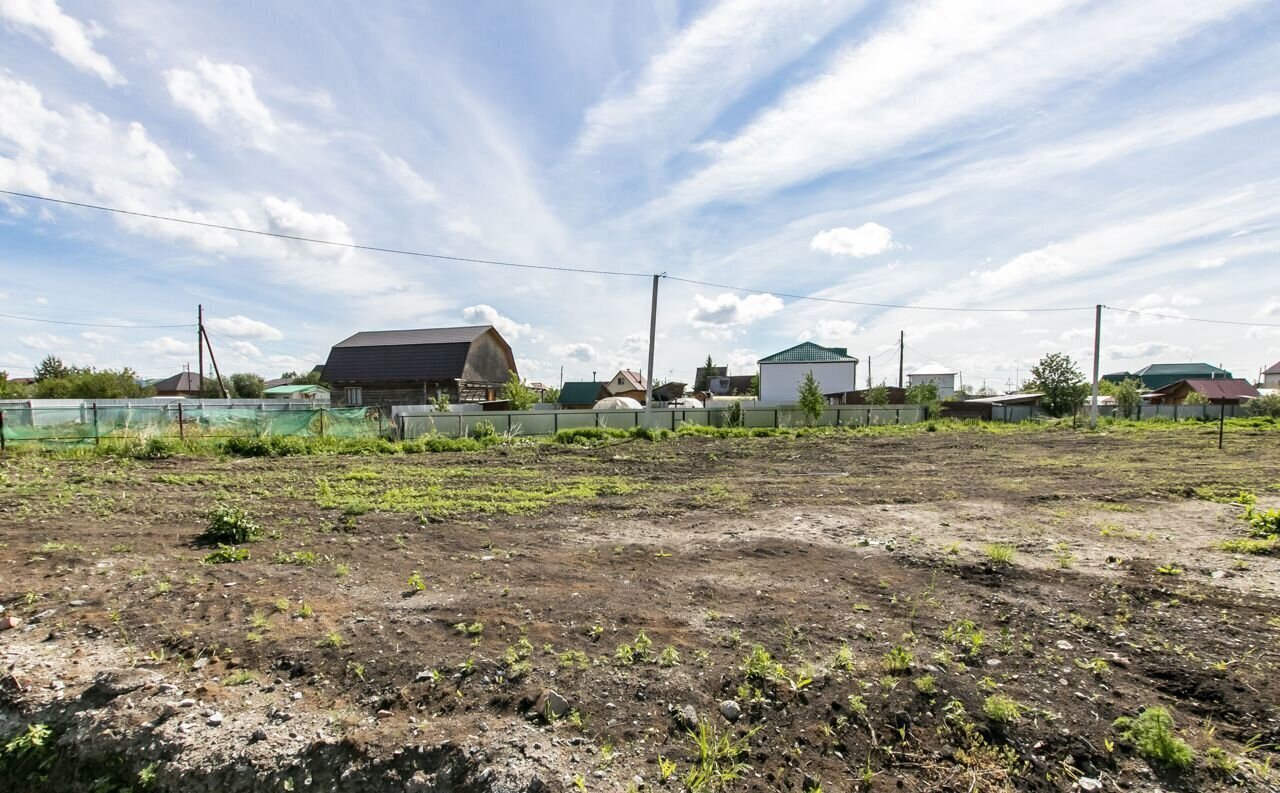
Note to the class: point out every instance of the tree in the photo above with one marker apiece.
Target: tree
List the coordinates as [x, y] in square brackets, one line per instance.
[879, 395]
[441, 403]
[521, 396]
[1128, 396]
[1195, 398]
[811, 400]
[922, 394]
[1268, 405]
[10, 389]
[1062, 384]
[550, 395]
[754, 389]
[704, 374]
[87, 383]
[310, 378]
[247, 385]
[51, 368]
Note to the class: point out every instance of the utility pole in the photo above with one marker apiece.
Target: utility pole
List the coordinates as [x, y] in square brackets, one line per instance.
[902, 352]
[204, 337]
[200, 349]
[868, 371]
[561, 377]
[653, 334]
[1097, 349]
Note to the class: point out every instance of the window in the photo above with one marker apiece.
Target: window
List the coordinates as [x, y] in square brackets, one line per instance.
[353, 396]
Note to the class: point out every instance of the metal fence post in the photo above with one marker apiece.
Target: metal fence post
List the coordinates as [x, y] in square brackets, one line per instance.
[96, 437]
[182, 435]
[2, 444]
[1222, 420]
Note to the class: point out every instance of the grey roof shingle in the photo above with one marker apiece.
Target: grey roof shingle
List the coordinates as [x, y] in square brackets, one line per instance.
[399, 356]
[391, 338]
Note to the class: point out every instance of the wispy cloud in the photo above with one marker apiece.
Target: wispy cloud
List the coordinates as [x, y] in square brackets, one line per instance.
[46, 22]
[222, 96]
[866, 240]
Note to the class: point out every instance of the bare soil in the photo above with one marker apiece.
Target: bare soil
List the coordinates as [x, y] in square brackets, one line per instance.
[317, 665]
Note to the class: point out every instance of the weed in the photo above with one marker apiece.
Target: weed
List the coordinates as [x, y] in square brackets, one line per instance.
[231, 526]
[1002, 709]
[898, 660]
[226, 554]
[239, 678]
[719, 759]
[1063, 556]
[1218, 760]
[305, 611]
[1249, 545]
[332, 639]
[341, 570]
[999, 553]
[1096, 666]
[300, 558]
[473, 629]
[416, 582]
[669, 656]
[1169, 569]
[573, 659]
[927, 684]
[642, 645]
[966, 635]
[1151, 733]
[666, 768]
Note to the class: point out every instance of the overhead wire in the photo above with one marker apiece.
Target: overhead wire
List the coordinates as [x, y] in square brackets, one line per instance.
[93, 324]
[1194, 319]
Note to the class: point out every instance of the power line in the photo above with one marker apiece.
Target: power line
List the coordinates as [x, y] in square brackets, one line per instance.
[297, 238]
[878, 305]
[93, 324]
[1195, 319]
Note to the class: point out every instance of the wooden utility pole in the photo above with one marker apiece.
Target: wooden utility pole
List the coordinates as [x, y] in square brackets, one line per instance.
[204, 337]
[653, 332]
[200, 349]
[1097, 348]
[902, 352]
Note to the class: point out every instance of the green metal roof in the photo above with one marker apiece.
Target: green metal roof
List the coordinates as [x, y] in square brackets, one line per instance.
[291, 389]
[808, 352]
[579, 393]
[1190, 370]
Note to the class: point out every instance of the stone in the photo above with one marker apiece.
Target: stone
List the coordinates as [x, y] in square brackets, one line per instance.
[684, 717]
[112, 683]
[10, 622]
[551, 705]
[731, 710]
[216, 718]
[200, 663]
[1088, 783]
[1063, 644]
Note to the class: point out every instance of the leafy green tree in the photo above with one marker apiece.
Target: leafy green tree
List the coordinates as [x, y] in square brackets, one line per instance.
[51, 368]
[1128, 396]
[10, 389]
[878, 395]
[754, 390]
[441, 403]
[247, 385]
[1064, 387]
[1195, 398]
[88, 383]
[310, 378]
[811, 400]
[922, 394]
[1268, 405]
[550, 395]
[521, 396]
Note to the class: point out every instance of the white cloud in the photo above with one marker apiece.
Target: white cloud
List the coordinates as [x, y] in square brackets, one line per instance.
[742, 359]
[242, 327]
[933, 65]
[245, 348]
[1151, 349]
[729, 309]
[1270, 309]
[1211, 264]
[835, 331]
[168, 347]
[45, 342]
[95, 339]
[579, 351]
[488, 315]
[288, 217]
[222, 96]
[866, 240]
[410, 182]
[706, 67]
[44, 21]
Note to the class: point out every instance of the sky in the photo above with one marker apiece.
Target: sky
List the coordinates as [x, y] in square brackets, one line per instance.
[918, 156]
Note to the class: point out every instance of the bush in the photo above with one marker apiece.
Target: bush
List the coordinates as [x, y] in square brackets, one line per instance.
[483, 429]
[231, 526]
[226, 554]
[733, 417]
[1268, 405]
[1002, 709]
[154, 449]
[1152, 734]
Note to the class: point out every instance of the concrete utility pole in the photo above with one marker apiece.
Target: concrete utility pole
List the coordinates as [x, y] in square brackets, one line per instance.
[1097, 349]
[902, 352]
[653, 334]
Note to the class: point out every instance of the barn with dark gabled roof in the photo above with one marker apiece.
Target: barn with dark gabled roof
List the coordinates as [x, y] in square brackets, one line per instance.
[413, 367]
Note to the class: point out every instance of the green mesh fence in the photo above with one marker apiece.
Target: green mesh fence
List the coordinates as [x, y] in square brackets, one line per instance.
[73, 426]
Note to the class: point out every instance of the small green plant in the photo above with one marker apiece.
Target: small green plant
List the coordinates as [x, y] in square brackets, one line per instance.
[1249, 545]
[239, 678]
[1151, 733]
[857, 705]
[1217, 759]
[29, 753]
[1095, 666]
[669, 656]
[719, 759]
[642, 645]
[1002, 709]
[927, 684]
[1063, 556]
[472, 629]
[231, 526]
[760, 666]
[332, 639]
[898, 660]
[999, 553]
[1169, 569]
[966, 635]
[666, 768]
[416, 581]
[483, 429]
[226, 554]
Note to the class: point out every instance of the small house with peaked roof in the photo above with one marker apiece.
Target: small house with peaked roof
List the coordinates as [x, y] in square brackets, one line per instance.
[781, 373]
[183, 384]
[301, 393]
[1219, 391]
[412, 367]
[1271, 377]
[627, 383]
[940, 376]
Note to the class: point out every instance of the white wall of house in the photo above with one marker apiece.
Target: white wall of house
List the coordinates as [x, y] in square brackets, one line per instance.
[1271, 380]
[946, 383]
[780, 382]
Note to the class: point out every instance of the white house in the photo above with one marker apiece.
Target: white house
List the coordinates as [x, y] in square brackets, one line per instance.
[941, 376]
[1271, 377]
[781, 373]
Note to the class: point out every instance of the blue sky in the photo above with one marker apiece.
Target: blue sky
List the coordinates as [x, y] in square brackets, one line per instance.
[962, 154]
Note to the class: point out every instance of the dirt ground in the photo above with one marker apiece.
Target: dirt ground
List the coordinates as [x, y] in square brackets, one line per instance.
[552, 617]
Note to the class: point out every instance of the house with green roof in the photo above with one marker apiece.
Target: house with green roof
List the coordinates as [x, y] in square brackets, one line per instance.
[781, 373]
[1159, 375]
[309, 393]
[580, 394]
